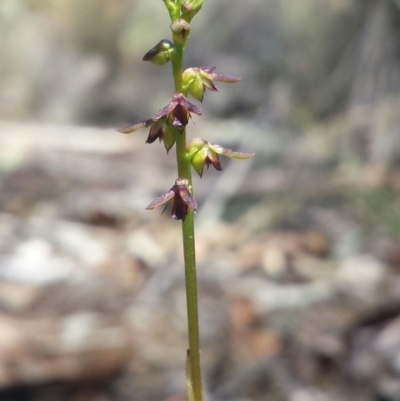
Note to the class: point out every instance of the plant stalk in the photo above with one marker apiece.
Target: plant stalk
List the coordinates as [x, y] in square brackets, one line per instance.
[184, 171]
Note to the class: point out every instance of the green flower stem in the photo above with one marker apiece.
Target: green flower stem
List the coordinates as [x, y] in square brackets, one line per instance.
[177, 65]
[184, 171]
[191, 296]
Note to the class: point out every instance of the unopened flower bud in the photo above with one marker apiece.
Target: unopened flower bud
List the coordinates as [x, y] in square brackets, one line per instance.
[180, 30]
[190, 8]
[161, 53]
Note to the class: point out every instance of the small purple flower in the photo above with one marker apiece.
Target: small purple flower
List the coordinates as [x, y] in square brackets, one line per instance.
[180, 108]
[183, 201]
[175, 115]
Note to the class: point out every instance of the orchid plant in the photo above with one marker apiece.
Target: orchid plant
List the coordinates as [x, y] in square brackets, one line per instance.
[168, 125]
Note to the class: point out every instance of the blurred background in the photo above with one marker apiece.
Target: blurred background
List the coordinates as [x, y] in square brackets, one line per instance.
[298, 248]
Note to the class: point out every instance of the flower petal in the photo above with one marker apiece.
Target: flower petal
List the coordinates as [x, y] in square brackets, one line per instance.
[208, 73]
[156, 131]
[225, 78]
[164, 111]
[212, 158]
[229, 152]
[196, 143]
[191, 108]
[161, 199]
[187, 197]
[209, 84]
[238, 155]
[136, 127]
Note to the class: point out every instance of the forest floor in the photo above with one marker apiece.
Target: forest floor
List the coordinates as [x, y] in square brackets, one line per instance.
[298, 261]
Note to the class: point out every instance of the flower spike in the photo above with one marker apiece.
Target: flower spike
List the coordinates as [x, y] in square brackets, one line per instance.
[168, 125]
[182, 198]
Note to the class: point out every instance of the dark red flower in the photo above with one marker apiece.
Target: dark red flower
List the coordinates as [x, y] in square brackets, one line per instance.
[175, 115]
[180, 108]
[183, 201]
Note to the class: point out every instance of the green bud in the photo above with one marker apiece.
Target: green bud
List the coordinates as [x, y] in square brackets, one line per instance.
[161, 53]
[190, 8]
[180, 30]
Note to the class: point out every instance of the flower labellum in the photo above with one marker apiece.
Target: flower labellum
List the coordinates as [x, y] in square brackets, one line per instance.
[183, 201]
